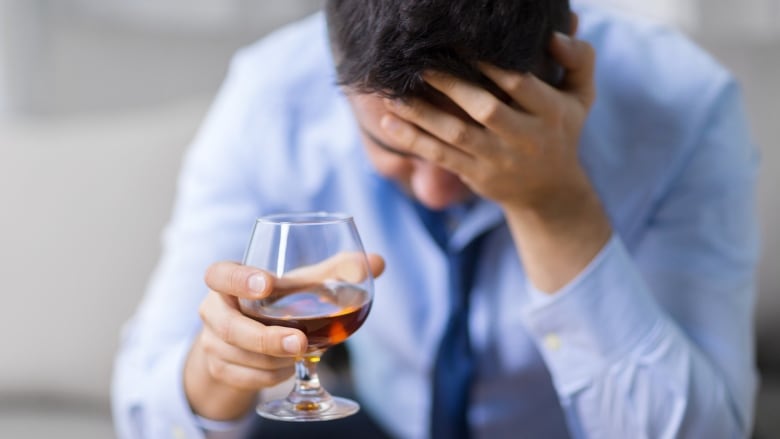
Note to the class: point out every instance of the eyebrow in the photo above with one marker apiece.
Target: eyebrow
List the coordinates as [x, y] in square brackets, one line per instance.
[387, 147]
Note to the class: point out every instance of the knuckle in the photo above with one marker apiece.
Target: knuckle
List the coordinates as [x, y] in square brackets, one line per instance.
[261, 342]
[488, 111]
[514, 83]
[225, 330]
[208, 346]
[203, 310]
[458, 134]
[218, 370]
[266, 340]
[211, 273]
[414, 142]
[437, 155]
[237, 279]
[266, 377]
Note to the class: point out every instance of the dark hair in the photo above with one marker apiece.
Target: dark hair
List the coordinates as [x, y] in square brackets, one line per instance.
[383, 46]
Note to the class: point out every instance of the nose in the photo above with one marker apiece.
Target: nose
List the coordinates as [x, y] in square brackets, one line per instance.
[434, 186]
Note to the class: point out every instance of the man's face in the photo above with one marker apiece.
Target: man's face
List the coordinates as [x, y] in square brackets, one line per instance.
[434, 187]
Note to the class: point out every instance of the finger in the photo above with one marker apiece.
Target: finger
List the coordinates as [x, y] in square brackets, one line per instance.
[238, 330]
[578, 58]
[345, 266]
[531, 93]
[238, 280]
[447, 127]
[377, 264]
[478, 103]
[355, 266]
[216, 347]
[414, 140]
[246, 378]
[574, 23]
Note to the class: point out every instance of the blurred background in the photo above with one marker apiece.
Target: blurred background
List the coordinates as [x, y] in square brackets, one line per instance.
[98, 101]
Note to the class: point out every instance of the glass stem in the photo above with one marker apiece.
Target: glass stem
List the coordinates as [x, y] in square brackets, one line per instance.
[308, 394]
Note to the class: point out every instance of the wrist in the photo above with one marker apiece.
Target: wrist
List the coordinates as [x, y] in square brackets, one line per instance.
[554, 197]
[563, 211]
[558, 235]
[208, 397]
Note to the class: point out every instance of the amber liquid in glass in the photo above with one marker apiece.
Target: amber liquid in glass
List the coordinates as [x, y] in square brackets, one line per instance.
[327, 314]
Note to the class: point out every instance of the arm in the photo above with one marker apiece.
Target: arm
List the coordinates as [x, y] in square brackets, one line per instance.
[639, 345]
[661, 333]
[522, 155]
[215, 208]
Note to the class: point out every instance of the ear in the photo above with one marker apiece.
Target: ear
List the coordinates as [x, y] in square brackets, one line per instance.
[574, 23]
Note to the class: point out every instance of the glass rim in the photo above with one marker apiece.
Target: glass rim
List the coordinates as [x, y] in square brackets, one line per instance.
[305, 218]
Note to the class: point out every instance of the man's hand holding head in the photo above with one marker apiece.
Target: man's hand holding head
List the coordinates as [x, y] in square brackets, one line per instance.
[520, 152]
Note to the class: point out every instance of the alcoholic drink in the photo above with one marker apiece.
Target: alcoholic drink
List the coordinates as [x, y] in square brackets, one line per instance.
[327, 314]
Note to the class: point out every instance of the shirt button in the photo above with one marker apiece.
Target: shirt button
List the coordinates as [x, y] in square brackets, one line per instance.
[552, 341]
[178, 433]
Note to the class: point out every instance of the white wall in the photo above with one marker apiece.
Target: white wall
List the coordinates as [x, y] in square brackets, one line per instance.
[681, 13]
[721, 19]
[83, 201]
[103, 107]
[3, 37]
[69, 56]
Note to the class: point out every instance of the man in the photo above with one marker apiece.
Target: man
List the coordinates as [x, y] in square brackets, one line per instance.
[604, 206]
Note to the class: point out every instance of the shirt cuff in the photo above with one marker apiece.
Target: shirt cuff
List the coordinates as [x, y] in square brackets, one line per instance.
[176, 419]
[226, 429]
[594, 320]
[173, 416]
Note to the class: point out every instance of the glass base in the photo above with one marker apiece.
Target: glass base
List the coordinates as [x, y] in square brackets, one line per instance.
[284, 410]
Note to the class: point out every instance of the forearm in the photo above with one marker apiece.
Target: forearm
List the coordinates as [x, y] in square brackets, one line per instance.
[559, 235]
[623, 367]
[664, 388]
[148, 401]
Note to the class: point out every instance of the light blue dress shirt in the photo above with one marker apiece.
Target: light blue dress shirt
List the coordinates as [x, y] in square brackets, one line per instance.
[652, 340]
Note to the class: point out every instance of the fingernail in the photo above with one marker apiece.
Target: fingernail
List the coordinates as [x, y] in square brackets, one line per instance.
[257, 283]
[291, 344]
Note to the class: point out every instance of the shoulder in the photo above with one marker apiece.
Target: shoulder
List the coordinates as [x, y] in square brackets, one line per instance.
[655, 87]
[650, 62]
[292, 61]
[659, 97]
[293, 119]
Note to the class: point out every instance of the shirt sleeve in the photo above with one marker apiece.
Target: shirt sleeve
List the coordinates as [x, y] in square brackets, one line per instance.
[211, 221]
[655, 341]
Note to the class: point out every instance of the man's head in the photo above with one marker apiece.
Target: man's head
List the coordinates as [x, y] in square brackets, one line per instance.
[382, 47]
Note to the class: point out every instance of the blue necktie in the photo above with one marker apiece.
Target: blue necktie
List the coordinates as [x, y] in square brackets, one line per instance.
[455, 365]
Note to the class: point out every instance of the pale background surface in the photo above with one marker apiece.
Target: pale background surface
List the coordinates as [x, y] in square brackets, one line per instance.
[98, 100]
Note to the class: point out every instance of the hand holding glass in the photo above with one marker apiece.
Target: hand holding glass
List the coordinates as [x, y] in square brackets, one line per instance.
[323, 287]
